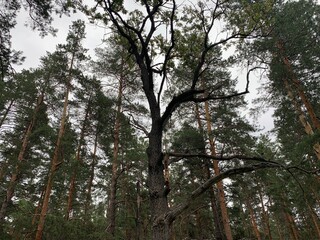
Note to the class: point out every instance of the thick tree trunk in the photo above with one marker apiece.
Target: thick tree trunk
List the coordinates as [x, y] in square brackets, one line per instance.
[16, 173]
[111, 212]
[78, 161]
[221, 195]
[161, 227]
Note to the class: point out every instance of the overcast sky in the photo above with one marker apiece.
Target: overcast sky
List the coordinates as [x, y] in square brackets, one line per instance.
[34, 47]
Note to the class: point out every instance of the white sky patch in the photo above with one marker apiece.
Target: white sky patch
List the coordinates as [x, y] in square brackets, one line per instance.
[34, 46]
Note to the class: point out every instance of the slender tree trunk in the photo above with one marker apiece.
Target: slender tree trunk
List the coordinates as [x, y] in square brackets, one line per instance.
[279, 228]
[111, 213]
[6, 112]
[221, 195]
[54, 165]
[78, 161]
[289, 219]
[213, 200]
[265, 216]
[315, 220]
[291, 224]
[37, 209]
[16, 173]
[215, 211]
[90, 182]
[138, 211]
[3, 170]
[199, 226]
[253, 219]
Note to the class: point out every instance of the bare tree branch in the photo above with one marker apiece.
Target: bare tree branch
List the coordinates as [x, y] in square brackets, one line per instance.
[138, 125]
[170, 216]
[168, 53]
[180, 156]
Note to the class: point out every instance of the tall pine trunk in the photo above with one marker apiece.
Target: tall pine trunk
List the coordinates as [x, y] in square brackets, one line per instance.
[213, 199]
[302, 118]
[297, 83]
[90, 182]
[265, 215]
[252, 218]
[54, 165]
[77, 163]
[111, 212]
[315, 220]
[14, 176]
[221, 194]
[289, 219]
[293, 83]
[138, 211]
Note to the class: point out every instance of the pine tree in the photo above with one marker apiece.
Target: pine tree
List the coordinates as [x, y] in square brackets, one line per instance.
[71, 53]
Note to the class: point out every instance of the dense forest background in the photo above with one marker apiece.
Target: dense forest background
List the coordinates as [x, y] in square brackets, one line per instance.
[149, 138]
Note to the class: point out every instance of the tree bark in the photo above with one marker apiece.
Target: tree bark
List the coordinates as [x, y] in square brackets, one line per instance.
[161, 227]
[291, 224]
[315, 220]
[90, 182]
[289, 219]
[304, 122]
[265, 215]
[279, 229]
[15, 175]
[297, 83]
[6, 112]
[138, 211]
[253, 219]
[111, 212]
[55, 158]
[221, 195]
[78, 161]
[213, 199]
